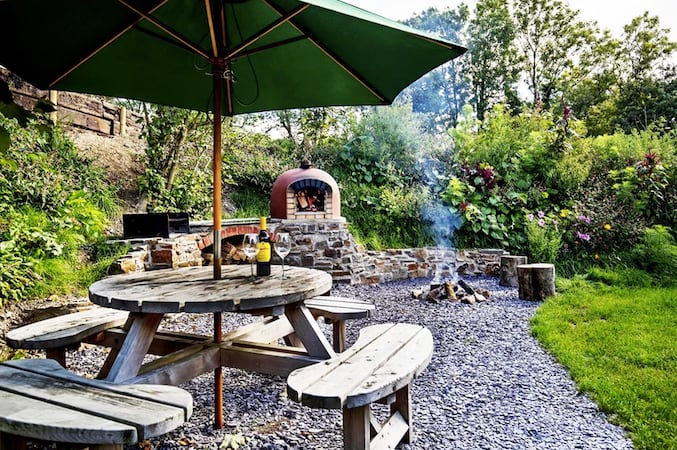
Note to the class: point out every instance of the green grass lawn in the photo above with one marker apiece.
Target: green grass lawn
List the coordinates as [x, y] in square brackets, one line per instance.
[620, 346]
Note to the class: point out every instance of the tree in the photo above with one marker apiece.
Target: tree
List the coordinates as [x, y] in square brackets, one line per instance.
[645, 102]
[625, 83]
[493, 69]
[176, 159]
[311, 129]
[442, 92]
[550, 37]
[646, 47]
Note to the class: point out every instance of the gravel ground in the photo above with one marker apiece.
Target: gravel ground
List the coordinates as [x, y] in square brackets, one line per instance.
[489, 385]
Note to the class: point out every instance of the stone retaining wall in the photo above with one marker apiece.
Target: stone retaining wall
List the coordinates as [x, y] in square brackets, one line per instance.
[325, 245]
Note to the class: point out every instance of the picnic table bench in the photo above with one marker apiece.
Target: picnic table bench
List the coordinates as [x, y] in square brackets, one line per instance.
[379, 367]
[104, 326]
[335, 311]
[41, 400]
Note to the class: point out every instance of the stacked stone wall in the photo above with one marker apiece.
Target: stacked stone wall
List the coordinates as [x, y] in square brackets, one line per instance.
[325, 245]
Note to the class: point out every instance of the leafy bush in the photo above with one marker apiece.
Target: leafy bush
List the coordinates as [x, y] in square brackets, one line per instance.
[544, 239]
[657, 253]
[16, 273]
[53, 202]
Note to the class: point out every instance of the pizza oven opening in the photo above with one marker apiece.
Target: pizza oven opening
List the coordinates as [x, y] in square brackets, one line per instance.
[305, 193]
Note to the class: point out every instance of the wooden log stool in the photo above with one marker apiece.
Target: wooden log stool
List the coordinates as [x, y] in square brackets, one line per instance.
[536, 281]
[508, 275]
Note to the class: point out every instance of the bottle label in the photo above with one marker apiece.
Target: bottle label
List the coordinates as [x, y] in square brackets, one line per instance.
[264, 253]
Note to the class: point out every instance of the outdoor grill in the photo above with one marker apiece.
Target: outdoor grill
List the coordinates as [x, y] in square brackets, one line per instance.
[305, 193]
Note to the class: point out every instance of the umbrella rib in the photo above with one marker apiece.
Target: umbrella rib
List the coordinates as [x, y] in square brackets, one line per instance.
[212, 31]
[359, 78]
[165, 28]
[104, 45]
[285, 18]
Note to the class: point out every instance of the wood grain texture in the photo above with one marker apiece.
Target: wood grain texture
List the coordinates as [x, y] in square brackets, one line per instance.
[39, 399]
[66, 329]
[385, 358]
[339, 308]
[193, 289]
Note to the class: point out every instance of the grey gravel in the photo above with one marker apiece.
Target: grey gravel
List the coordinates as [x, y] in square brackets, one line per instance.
[489, 385]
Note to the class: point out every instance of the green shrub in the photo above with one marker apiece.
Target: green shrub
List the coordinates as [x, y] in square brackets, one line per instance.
[657, 253]
[53, 202]
[543, 238]
[16, 273]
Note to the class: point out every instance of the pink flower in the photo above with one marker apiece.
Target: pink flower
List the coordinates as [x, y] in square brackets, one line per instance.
[541, 222]
[541, 214]
[583, 236]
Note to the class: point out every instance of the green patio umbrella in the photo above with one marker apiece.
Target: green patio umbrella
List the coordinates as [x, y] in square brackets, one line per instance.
[225, 56]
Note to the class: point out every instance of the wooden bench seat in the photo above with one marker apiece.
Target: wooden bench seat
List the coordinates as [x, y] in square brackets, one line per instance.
[335, 311]
[379, 367]
[41, 400]
[57, 334]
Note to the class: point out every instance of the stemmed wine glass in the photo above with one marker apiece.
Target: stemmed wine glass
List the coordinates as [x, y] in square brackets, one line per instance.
[282, 248]
[250, 247]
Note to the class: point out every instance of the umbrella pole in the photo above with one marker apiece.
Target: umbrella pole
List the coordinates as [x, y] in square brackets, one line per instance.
[217, 71]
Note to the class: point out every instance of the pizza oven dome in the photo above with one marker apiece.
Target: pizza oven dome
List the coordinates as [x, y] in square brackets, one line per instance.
[305, 193]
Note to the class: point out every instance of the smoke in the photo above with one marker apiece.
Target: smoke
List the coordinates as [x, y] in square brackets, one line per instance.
[443, 224]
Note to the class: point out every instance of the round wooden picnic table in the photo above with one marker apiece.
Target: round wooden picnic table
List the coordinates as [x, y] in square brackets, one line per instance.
[150, 295]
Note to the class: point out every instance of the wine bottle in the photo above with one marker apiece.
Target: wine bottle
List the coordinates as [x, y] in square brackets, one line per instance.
[264, 255]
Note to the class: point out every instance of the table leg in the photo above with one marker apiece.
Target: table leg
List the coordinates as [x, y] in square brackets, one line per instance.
[308, 331]
[135, 346]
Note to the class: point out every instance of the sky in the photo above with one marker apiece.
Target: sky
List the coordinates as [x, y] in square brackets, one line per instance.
[610, 14]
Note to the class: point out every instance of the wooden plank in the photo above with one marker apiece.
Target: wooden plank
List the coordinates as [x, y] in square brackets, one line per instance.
[273, 360]
[63, 407]
[193, 289]
[135, 347]
[309, 332]
[180, 367]
[276, 328]
[391, 433]
[165, 395]
[385, 358]
[339, 308]
[356, 433]
[66, 329]
[164, 342]
[398, 371]
[402, 406]
[39, 420]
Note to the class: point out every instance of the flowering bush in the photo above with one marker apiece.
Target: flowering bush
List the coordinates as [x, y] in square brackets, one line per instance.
[544, 238]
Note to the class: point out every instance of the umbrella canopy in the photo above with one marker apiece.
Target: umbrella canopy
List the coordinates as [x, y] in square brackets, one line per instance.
[271, 54]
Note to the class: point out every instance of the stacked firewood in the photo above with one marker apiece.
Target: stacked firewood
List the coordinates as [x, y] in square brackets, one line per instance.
[452, 291]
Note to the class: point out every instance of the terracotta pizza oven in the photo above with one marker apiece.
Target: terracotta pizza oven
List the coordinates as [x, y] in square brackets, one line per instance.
[305, 193]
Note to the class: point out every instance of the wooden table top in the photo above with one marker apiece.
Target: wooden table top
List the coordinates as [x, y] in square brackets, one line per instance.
[193, 289]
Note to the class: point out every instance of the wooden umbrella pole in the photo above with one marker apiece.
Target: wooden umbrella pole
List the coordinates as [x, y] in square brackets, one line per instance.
[216, 164]
[218, 377]
[216, 168]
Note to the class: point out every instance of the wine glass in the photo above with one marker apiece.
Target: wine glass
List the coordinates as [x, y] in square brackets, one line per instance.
[282, 248]
[250, 247]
